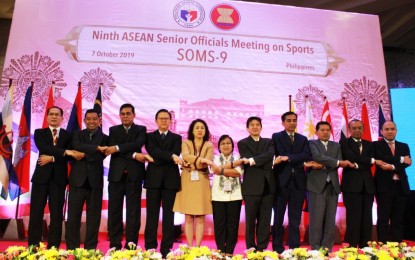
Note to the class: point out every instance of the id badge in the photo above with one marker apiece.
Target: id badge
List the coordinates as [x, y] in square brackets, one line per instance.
[194, 175]
[227, 185]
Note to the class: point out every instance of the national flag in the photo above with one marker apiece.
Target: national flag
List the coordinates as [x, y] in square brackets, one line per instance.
[326, 116]
[292, 107]
[75, 119]
[292, 104]
[382, 120]
[49, 104]
[344, 123]
[22, 152]
[309, 130]
[6, 140]
[98, 104]
[367, 135]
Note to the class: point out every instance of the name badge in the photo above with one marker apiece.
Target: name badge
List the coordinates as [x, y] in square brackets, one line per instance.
[194, 175]
[227, 185]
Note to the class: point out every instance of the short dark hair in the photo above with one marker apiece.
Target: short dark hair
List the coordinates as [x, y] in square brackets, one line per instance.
[163, 111]
[127, 105]
[252, 118]
[60, 109]
[90, 111]
[353, 121]
[223, 137]
[288, 114]
[322, 123]
[190, 134]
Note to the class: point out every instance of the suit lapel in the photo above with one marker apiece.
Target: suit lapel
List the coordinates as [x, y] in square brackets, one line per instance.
[287, 141]
[252, 145]
[354, 147]
[48, 136]
[386, 147]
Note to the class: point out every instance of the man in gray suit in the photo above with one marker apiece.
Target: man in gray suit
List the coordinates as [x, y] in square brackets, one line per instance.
[323, 187]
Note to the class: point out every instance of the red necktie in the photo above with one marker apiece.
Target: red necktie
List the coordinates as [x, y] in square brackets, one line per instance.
[392, 147]
[55, 136]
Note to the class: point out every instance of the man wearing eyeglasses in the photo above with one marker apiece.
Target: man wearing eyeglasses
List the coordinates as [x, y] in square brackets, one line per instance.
[162, 181]
[50, 178]
[126, 175]
[358, 186]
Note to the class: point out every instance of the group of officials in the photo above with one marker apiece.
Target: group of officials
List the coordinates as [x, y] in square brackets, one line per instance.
[278, 174]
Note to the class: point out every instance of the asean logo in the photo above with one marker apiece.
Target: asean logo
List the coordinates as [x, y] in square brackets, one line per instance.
[225, 17]
[189, 14]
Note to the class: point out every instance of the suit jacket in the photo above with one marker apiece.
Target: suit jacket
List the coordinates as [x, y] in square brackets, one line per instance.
[354, 180]
[298, 153]
[163, 172]
[128, 144]
[91, 166]
[57, 170]
[316, 179]
[260, 174]
[383, 179]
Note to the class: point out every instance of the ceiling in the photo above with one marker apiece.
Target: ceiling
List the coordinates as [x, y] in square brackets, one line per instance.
[397, 17]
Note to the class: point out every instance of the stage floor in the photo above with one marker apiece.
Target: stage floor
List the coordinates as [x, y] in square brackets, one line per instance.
[208, 241]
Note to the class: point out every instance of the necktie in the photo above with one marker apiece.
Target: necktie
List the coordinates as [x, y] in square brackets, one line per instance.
[163, 135]
[91, 135]
[126, 130]
[325, 145]
[55, 136]
[292, 138]
[359, 144]
[392, 147]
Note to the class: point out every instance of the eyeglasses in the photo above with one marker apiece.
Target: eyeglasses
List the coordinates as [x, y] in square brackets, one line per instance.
[163, 118]
[126, 113]
[54, 114]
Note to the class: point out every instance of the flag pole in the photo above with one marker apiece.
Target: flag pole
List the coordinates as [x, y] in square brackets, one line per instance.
[15, 227]
[289, 103]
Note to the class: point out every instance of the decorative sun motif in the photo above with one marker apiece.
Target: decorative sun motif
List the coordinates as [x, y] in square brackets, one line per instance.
[374, 94]
[40, 69]
[316, 97]
[90, 84]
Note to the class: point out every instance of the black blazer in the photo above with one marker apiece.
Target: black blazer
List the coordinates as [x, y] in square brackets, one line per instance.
[298, 153]
[383, 179]
[163, 172]
[57, 170]
[258, 175]
[354, 180]
[91, 165]
[128, 144]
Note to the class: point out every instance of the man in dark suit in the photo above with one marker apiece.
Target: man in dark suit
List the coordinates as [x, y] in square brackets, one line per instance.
[357, 186]
[323, 187]
[126, 175]
[293, 150]
[86, 183]
[258, 187]
[392, 187]
[162, 182]
[50, 178]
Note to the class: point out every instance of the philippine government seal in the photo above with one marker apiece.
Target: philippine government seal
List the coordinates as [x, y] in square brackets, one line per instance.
[189, 14]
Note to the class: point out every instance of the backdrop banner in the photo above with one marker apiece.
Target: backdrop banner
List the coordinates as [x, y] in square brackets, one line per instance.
[221, 61]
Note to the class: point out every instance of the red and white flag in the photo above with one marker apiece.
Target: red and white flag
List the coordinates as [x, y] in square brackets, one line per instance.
[326, 117]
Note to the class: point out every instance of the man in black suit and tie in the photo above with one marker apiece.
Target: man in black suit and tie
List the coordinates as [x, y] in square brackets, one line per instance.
[162, 182]
[323, 187]
[258, 187]
[392, 187]
[126, 175]
[357, 186]
[50, 178]
[293, 150]
[86, 183]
